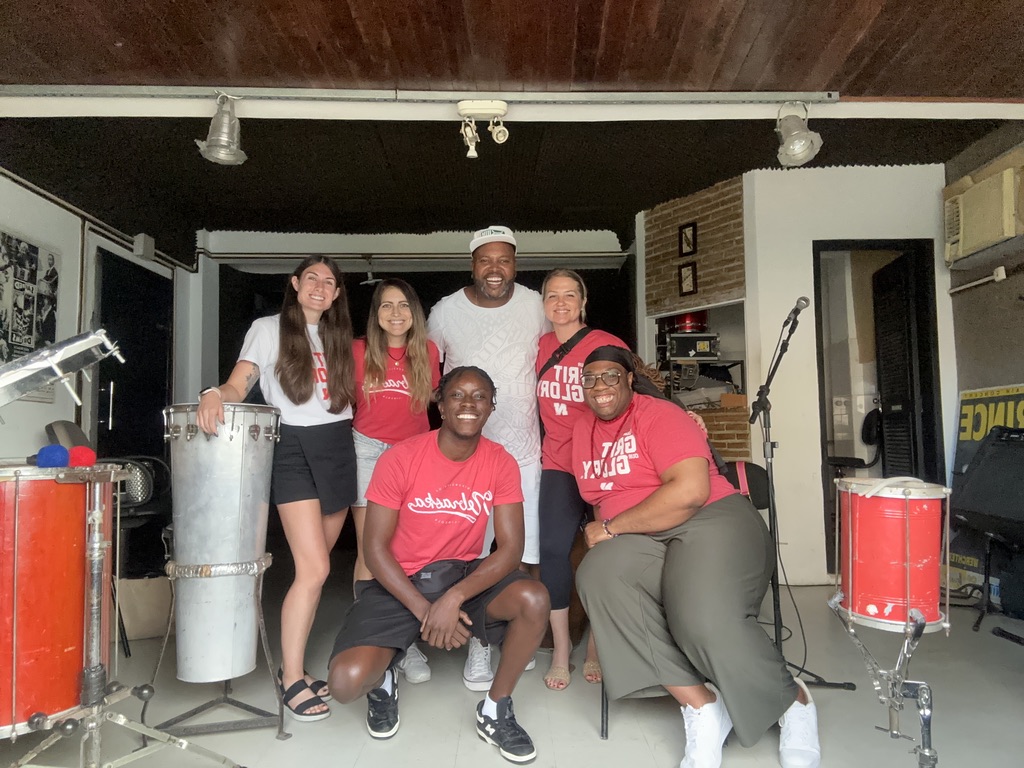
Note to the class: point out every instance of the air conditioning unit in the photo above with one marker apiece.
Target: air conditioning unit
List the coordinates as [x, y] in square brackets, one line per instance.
[982, 215]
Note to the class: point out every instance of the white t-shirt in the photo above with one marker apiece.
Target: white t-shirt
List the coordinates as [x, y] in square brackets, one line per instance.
[502, 341]
[262, 346]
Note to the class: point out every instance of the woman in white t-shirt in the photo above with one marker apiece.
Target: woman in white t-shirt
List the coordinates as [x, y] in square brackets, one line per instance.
[397, 368]
[303, 360]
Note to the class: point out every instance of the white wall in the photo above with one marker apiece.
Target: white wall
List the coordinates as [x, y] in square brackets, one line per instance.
[784, 213]
[30, 217]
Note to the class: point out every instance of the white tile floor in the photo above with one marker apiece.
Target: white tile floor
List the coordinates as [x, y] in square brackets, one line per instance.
[977, 679]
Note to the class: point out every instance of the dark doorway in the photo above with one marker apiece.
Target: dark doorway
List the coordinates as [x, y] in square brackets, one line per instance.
[877, 339]
[135, 308]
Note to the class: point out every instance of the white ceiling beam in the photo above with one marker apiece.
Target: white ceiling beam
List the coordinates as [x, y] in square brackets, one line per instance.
[320, 104]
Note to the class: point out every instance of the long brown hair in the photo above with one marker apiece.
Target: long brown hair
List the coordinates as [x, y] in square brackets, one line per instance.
[418, 365]
[294, 367]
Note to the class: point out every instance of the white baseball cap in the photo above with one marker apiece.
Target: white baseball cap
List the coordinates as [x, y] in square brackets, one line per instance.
[493, 234]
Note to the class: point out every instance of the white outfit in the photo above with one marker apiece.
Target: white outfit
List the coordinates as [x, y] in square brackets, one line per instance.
[262, 346]
[503, 341]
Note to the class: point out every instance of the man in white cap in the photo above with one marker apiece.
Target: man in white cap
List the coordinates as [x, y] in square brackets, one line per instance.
[496, 324]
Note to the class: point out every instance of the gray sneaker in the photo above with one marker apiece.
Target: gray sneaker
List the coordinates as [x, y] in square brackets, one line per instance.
[477, 674]
[414, 665]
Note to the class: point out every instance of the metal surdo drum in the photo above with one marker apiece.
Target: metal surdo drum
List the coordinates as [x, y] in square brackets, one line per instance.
[892, 535]
[45, 560]
[220, 503]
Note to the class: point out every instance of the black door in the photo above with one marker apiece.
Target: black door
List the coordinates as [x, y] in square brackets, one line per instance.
[906, 343]
[135, 308]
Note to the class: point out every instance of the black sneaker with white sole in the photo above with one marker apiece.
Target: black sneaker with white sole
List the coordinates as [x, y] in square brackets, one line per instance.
[382, 711]
[505, 733]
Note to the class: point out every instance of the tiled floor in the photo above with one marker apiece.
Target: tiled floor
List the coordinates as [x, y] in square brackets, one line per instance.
[977, 679]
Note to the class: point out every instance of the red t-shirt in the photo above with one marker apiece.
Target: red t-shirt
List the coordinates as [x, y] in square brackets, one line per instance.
[560, 395]
[443, 505]
[618, 463]
[387, 415]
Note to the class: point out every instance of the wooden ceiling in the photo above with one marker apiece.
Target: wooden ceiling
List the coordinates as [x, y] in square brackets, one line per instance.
[349, 176]
[866, 48]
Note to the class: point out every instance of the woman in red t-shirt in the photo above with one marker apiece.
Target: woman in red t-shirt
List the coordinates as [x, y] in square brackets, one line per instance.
[678, 567]
[560, 402]
[397, 369]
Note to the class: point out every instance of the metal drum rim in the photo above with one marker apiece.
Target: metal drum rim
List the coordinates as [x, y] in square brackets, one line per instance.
[922, 491]
[111, 470]
[891, 626]
[249, 407]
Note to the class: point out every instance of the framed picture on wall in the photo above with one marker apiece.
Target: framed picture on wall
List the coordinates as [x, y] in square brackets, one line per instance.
[688, 278]
[688, 239]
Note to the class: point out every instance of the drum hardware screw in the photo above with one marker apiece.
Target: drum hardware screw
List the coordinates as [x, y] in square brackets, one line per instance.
[144, 692]
[37, 722]
[191, 431]
[66, 727]
[254, 432]
[113, 687]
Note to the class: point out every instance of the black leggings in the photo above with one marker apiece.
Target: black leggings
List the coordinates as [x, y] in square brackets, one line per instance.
[561, 512]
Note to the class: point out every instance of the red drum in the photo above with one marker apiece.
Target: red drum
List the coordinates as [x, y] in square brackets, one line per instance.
[43, 570]
[891, 544]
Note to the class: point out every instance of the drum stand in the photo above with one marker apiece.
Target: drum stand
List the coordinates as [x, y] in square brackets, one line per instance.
[892, 686]
[97, 694]
[261, 718]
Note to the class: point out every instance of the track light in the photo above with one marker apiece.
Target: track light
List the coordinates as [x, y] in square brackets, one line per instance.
[797, 143]
[498, 130]
[223, 143]
[470, 137]
[482, 109]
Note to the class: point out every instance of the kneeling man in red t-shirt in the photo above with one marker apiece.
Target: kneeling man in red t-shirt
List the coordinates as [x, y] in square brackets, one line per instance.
[428, 505]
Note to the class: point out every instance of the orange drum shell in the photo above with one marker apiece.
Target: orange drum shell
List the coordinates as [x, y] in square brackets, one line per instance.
[874, 585]
[46, 658]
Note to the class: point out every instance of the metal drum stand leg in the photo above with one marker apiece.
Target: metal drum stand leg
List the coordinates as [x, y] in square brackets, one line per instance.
[97, 693]
[261, 718]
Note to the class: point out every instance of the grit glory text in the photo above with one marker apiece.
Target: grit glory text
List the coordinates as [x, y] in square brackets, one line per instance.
[614, 459]
[566, 385]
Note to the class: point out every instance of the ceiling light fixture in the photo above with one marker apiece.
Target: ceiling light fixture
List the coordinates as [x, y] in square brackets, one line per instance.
[482, 109]
[797, 143]
[223, 142]
[470, 137]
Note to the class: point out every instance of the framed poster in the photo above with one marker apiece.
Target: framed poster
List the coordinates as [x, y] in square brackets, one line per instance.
[688, 278]
[688, 239]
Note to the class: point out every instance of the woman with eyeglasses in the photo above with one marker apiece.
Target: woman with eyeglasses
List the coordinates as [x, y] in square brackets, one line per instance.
[562, 509]
[397, 369]
[678, 566]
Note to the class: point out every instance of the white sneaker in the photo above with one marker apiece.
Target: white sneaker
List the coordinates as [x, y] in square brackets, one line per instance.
[798, 743]
[706, 729]
[477, 674]
[414, 665]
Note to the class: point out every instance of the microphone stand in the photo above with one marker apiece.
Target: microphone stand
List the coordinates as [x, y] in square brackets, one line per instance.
[762, 408]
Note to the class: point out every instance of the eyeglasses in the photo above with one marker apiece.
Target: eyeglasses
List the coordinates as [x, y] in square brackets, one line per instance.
[610, 379]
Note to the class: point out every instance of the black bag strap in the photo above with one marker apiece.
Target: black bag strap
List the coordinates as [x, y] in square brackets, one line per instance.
[564, 349]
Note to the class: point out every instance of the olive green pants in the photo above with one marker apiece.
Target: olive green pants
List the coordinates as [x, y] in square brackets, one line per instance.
[680, 607]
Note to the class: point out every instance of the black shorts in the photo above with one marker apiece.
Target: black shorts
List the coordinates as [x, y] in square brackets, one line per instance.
[377, 618]
[315, 463]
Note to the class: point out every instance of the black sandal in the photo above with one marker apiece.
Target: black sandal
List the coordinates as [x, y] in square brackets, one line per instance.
[300, 711]
[319, 685]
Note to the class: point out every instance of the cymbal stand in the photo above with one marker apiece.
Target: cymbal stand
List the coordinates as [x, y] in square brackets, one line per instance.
[97, 694]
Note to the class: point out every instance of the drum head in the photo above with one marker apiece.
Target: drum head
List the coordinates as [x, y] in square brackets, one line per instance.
[892, 488]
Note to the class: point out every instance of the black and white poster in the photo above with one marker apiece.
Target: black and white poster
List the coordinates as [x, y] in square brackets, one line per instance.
[29, 276]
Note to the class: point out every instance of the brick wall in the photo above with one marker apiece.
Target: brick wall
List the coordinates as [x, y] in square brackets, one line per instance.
[718, 212]
[729, 431]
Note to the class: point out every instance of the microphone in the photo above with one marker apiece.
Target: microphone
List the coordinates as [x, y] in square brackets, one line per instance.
[801, 304]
